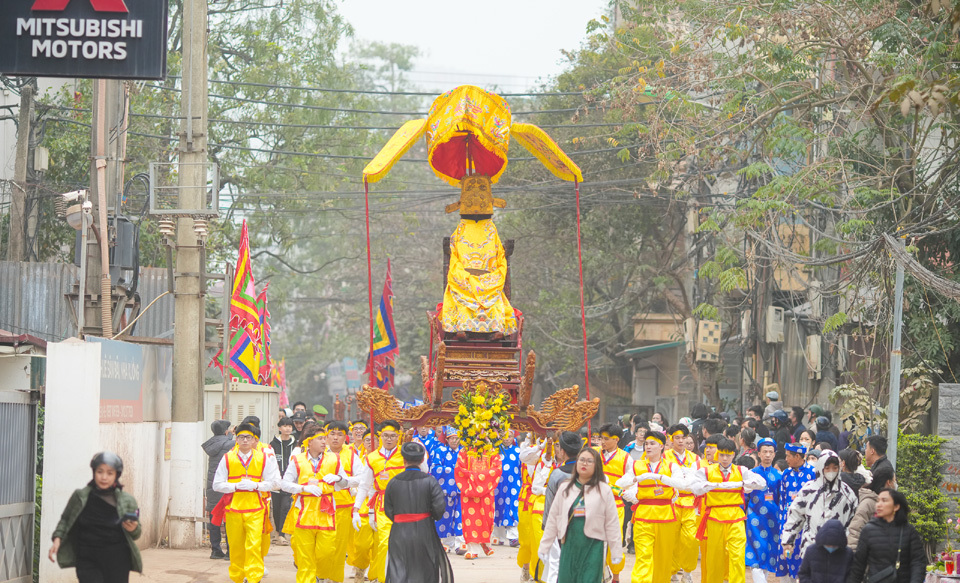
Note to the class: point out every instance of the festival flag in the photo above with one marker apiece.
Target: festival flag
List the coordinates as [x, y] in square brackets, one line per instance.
[263, 317]
[278, 378]
[243, 299]
[281, 375]
[249, 346]
[385, 348]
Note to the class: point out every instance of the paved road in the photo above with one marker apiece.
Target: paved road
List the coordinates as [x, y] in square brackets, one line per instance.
[195, 566]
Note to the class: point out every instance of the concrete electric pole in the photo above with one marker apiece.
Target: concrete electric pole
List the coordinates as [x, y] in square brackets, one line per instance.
[187, 468]
[16, 234]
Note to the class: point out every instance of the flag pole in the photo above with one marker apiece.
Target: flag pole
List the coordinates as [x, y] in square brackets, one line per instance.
[366, 209]
[227, 295]
[583, 313]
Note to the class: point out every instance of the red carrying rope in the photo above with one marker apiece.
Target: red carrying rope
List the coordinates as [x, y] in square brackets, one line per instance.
[583, 313]
[366, 207]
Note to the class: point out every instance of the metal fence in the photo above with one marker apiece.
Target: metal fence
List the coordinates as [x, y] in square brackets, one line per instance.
[18, 430]
[32, 300]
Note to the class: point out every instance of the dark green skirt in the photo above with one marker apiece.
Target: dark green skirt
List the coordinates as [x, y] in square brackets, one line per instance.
[581, 557]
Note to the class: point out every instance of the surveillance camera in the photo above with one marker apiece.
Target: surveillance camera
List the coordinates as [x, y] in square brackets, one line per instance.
[87, 206]
[74, 195]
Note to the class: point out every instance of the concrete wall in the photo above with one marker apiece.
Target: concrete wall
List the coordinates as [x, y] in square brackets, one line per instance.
[145, 473]
[71, 436]
[947, 422]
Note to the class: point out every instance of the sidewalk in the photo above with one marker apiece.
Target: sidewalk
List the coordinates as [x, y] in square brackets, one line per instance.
[189, 566]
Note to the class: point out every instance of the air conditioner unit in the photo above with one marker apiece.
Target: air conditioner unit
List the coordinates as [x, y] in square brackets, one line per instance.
[814, 362]
[774, 327]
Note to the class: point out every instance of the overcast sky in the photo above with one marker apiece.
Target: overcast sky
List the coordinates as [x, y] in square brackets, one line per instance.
[512, 43]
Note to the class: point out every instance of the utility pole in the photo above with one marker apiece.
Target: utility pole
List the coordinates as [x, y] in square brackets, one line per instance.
[187, 432]
[893, 406]
[108, 137]
[16, 240]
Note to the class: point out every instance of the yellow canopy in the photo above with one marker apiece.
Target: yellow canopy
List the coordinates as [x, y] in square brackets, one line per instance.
[547, 151]
[399, 144]
[468, 132]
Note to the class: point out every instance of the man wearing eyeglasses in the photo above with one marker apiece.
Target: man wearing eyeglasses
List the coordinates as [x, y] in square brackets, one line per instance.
[379, 467]
[243, 474]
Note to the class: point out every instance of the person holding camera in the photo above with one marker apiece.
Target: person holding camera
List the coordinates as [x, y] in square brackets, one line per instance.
[97, 529]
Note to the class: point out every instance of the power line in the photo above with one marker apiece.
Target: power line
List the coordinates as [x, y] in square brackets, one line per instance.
[375, 92]
[318, 155]
[336, 126]
[343, 109]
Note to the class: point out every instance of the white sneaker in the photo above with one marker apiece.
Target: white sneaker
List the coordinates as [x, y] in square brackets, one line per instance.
[265, 571]
[686, 578]
[675, 578]
[525, 574]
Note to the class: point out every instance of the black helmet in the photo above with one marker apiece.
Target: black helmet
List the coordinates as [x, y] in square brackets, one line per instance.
[109, 458]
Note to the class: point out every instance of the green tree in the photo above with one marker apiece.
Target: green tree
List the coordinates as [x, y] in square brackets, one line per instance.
[836, 118]
[920, 463]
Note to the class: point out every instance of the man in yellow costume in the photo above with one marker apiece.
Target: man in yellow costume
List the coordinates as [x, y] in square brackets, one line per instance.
[529, 458]
[363, 540]
[244, 474]
[312, 477]
[358, 429]
[349, 463]
[651, 484]
[616, 462]
[723, 486]
[379, 468]
[688, 547]
[545, 464]
[474, 300]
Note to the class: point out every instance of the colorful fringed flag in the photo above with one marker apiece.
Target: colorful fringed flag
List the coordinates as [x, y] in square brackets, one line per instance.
[243, 299]
[249, 346]
[264, 320]
[278, 378]
[385, 348]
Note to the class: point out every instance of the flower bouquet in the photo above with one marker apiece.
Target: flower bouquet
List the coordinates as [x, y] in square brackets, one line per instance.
[482, 420]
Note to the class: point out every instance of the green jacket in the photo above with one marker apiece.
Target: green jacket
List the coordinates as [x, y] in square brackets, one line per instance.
[126, 504]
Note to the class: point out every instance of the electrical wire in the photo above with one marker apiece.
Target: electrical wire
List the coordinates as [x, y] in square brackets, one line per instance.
[374, 92]
[344, 109]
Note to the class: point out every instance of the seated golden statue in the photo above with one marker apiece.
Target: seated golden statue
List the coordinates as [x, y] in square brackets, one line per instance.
[474, 300]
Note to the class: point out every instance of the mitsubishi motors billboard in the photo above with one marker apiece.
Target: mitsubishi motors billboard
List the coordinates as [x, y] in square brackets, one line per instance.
[124, 39]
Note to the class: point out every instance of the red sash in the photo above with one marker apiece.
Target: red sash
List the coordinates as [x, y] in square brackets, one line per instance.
[401, 518]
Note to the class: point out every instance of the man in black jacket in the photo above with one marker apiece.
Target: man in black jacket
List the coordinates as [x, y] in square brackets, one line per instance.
[875, 453]
[215, 448]
[282, 445]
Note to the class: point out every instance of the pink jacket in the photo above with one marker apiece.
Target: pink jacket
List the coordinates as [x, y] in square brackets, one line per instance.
[602, 521]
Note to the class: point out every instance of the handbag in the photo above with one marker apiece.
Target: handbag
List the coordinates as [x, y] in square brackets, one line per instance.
[891, 570]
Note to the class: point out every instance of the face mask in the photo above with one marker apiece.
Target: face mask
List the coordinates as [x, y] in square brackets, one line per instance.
[896, 486]
[830, 476]
[830, 549]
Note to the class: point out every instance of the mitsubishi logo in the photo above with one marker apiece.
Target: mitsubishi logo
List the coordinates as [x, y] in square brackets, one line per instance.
[98, 5]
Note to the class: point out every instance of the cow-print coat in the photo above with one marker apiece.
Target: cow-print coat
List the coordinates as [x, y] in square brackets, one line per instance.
[816, 503]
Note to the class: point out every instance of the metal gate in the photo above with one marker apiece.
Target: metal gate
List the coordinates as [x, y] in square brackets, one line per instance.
[18, 434]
